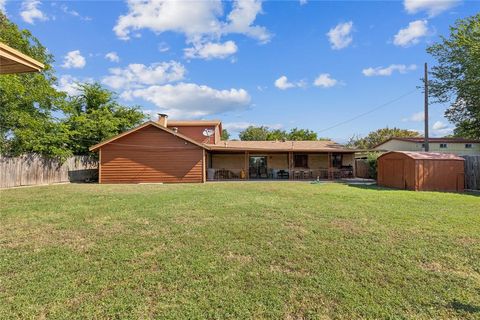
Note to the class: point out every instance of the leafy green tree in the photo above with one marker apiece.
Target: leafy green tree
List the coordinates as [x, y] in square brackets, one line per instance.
[263, 133]
[28, 100]
[378, 136]
[94, 115]
[225, 135]
[456, 77]
[253, 133]
[276, 134]
[301, 135]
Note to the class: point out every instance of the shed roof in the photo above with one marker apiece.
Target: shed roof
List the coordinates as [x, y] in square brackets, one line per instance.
[307, 146]
[13, 61]
[427, 155]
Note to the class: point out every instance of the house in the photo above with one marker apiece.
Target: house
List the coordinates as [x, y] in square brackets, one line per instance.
[456, 146]
[192, 151]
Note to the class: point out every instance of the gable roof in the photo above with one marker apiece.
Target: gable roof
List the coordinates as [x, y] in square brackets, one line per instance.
[427, 155]
[146, 124]
[434, 140]
[299, 146]
[13, 61]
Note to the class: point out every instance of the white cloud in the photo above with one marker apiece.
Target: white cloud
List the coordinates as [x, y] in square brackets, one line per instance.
[69, 84]
[190, 99]
[439, 125]
[324, 80]
[303, 2]
[411, 35]
[211, 50]
[2, 6]
[196, 19]
[163, 47]
[241, 19]
[282, 83]
[440, 129]
[137, 75]
[431, 7]
[74, 13]
[74, 59]
[340, 37]
[416, 117]
[112, 56]
[388, 71]
[30, 11]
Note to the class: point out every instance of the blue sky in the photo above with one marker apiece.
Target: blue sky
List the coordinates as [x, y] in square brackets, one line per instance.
[309, 64]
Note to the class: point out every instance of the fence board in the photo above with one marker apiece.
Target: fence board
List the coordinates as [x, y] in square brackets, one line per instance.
[35, 170]
[361, 169]
[472, 172]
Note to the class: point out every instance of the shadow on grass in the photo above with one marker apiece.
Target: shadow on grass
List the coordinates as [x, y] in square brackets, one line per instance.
[378, 188]
[464, 307]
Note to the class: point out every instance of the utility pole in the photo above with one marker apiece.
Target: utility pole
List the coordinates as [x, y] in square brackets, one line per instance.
[427, 147]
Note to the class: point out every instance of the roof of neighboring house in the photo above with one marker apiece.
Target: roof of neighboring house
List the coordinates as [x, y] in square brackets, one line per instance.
[436, 140]
[427, 155]
[13, 61]
[148, 123]
[298, 146]
[193, 123]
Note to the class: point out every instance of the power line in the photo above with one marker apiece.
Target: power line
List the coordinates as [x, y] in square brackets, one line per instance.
[369, 111]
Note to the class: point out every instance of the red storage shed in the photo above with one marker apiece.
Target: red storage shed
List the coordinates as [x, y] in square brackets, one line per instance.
[421, 171]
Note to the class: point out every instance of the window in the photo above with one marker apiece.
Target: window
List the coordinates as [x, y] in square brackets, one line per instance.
[443, 146]
[301, 160]
[336, 160]
[468, 146]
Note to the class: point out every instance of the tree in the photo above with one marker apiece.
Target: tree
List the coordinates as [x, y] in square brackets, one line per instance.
[253, 133]
[378, 136]
[301, 135]
[225, 135]
[263, 133]
[276, 134]
[456, 77]
[28, 100]
[94, 115]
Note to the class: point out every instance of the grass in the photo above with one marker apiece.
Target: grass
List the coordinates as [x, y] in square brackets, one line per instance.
[238, 250]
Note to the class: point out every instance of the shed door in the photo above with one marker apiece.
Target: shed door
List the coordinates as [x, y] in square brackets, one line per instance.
[394, 174]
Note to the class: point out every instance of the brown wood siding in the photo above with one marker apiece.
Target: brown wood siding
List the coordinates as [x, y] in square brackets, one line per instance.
[396, 170]
[196, 133]
[151, 155]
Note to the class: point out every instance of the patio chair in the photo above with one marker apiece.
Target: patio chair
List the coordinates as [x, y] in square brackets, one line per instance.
[296, 175]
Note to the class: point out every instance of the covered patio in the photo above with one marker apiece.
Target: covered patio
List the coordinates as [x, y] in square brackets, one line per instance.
[267, 161]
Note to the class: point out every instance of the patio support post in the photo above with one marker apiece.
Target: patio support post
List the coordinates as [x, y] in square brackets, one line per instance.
[330, 173]
[246, 165]
[290, 166]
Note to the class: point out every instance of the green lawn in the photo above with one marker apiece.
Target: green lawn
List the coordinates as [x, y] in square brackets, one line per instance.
[238, 250]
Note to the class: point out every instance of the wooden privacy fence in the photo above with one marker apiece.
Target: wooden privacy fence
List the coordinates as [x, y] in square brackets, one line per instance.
[472, 172]
[362, 168]
[35, 170]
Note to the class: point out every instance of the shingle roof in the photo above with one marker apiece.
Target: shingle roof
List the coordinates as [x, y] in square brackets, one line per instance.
[327, 146]
[434, 140]
[428, 155]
